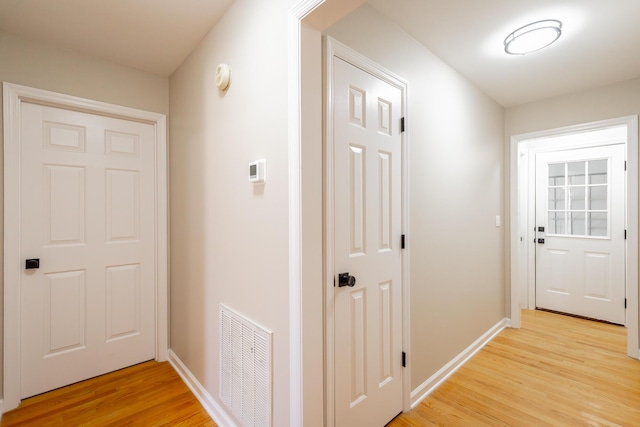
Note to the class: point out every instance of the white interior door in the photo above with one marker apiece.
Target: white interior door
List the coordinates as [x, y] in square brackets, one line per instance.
[367, 215]
[87, 213]
[580, 261]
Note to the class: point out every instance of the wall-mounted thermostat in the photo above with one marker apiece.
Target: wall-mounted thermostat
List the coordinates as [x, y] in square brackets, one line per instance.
[258, 171]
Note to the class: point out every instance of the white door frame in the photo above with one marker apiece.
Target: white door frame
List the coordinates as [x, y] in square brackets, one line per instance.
[522, 228]
[14, 96]
[333, 50]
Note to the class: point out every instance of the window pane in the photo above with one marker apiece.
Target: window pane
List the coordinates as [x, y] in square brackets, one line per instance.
[598, 171]
[555, 224]
[556, 174]
[598, 198]
[556, 199]
[598, 224]
[576, 173]
[576, 198]
[576, 223]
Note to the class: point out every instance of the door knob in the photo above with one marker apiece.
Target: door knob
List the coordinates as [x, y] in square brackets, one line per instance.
[345, 280]
[31, 264]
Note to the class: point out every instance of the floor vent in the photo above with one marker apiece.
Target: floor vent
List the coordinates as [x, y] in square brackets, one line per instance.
[245, 369]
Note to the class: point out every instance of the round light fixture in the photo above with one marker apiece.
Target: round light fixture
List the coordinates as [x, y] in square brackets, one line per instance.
[533, 37]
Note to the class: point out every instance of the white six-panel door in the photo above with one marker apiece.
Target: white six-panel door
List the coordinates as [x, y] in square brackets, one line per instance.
[367, 232]
[87, 213]
[580, 261]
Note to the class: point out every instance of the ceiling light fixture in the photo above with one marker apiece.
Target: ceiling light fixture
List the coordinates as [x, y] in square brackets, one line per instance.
[533, 37]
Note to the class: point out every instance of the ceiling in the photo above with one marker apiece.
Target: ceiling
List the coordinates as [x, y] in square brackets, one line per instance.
[149, 35]
[600, 44]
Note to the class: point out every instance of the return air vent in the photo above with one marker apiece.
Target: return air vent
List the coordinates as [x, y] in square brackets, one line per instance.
[245, 369]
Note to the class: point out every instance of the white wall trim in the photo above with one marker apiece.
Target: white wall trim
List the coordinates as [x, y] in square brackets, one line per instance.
[433, 382]
[335, 49]
[215, 411]
[296, 15]
[631, 219]
[13, 96]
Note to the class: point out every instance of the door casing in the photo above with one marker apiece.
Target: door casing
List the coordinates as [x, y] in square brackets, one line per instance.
[520, 189]
[335, 49]
[14, 96]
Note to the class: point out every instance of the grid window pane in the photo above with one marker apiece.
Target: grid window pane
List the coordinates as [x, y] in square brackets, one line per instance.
[576, 171]
[598, 224]
[598, 198]
[556, 174]
[577, 223]
[556, 198]
[576, 198]
[555, 224]
[598, 171]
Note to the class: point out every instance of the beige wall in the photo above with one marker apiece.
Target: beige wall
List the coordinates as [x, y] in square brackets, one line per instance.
[618, 100]
[229, 237]
[456, 187]
[34, 64]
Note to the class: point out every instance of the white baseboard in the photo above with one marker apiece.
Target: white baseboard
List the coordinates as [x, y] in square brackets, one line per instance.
[1, 408]
[433, 382]
[212, 407]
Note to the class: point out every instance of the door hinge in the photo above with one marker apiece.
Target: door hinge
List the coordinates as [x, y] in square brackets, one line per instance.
[404, 359]
[625, 303]
[402, 242]
[625, 234]
[625, 165]
[402, 124]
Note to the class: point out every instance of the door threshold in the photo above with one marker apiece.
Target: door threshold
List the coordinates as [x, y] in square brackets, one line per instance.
[578, 316]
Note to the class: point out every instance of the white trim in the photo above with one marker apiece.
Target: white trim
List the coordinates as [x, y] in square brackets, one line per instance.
[296, 15]
[633, 320]
[13, 96]
[329, 227]
[631, 219]
[335, 49]
[210, 405]
[435, 380]
[295, 227]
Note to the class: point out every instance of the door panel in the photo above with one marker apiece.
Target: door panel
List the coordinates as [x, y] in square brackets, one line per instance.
[580, 204]
[367, 177]
[65, 312]
[88, 214]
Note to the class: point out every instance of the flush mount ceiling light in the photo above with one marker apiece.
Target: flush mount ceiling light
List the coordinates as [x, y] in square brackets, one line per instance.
[533, 37]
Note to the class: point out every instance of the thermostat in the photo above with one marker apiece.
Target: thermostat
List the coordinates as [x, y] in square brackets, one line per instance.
[258, 171]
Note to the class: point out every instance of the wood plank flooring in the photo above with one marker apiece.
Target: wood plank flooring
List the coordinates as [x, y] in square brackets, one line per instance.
[554, 371]
[148, 394]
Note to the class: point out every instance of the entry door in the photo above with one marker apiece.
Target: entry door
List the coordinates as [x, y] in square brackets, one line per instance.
[580, 257]
[367, 215]
[87, 214]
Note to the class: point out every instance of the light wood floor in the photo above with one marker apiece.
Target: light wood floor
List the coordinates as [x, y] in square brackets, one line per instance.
[555, 371]
[149, 394]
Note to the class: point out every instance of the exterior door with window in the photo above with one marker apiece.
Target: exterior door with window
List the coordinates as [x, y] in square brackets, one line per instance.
[580, 256]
